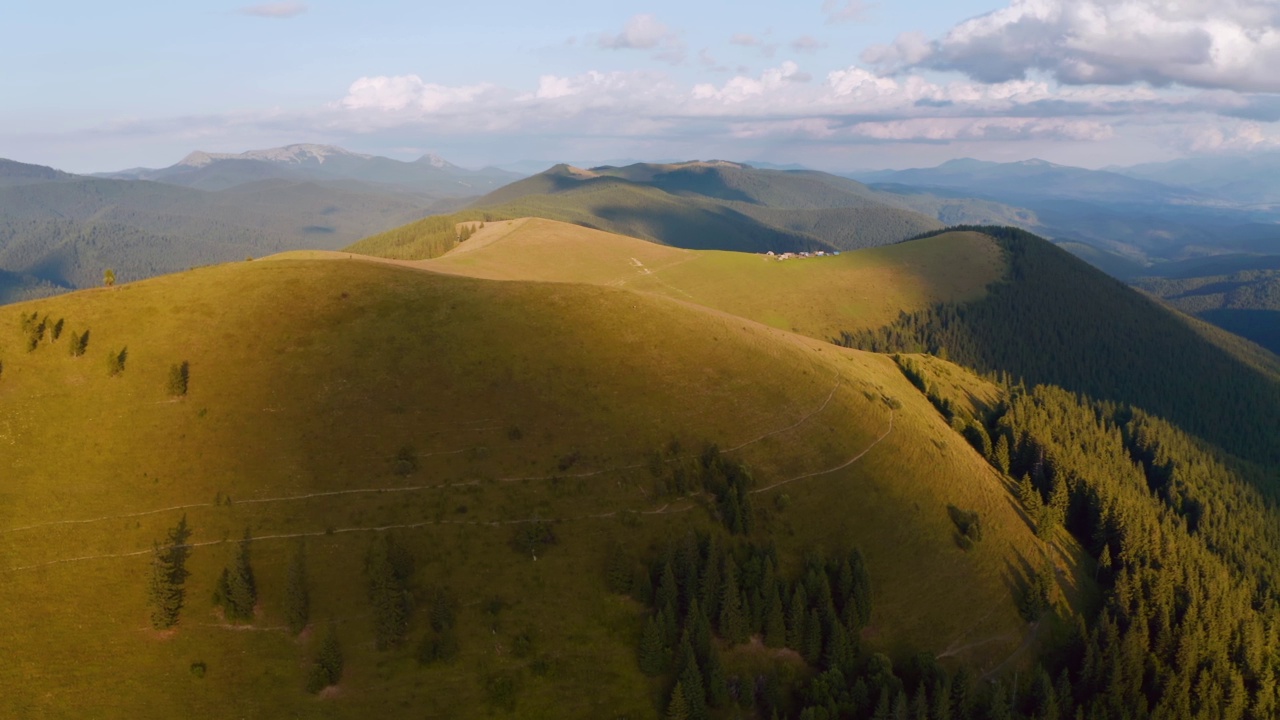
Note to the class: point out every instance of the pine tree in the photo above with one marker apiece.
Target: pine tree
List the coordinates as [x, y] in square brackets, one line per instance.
[108, 277]
[1001, 459]
[297, 594]
[797, 615]
[179, 374]
[775, 625]
[327, 670]
[241, 589]
[653, 653]
[387, 593]
[717, 685]
[811, 649]
[678, 706]
[116, 360]
[733, 623]
[668, 593]
[691, 678]
[617, 569]
[166, 594]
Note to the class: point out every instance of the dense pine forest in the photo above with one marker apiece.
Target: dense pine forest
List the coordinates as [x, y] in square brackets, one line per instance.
[1156, 450]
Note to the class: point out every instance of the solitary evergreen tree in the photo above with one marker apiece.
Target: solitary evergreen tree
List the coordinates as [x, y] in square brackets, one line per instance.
[116, 360]
[237, 588]
[327, 670]
[108, 277]
[178, 376]
[388, 593]
[297, 594]
[166, 594]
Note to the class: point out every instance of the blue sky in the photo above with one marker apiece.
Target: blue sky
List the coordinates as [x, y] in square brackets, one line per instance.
[835, 84]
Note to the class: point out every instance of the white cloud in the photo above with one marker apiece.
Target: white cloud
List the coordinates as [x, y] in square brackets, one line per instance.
[838, 11]
[275, 10]
[646, 32]
[740, 88]
[1198, 43]
[1243, 136]
[766, 49]
[409, 92]
[908, 49]
[807, 44]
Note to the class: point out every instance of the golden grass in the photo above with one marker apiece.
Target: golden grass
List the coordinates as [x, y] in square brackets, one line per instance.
[309, 376]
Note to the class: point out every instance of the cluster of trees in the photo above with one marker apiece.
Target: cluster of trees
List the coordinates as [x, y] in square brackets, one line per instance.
[707, 593]
[36, 329]
[237, 590]
[427, 238]
[711, 472]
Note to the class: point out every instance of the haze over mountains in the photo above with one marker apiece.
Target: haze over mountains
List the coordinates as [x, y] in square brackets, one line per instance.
[429, 175]
[59, 231]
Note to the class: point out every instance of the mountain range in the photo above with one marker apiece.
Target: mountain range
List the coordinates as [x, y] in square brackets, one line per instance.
[429, 175]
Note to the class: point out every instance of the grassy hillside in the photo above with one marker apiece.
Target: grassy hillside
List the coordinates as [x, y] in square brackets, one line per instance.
[817, 296]
[331, 402]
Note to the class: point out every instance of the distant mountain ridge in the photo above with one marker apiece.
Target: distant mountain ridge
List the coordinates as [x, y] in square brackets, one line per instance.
[428, 175]
[59, 231]
[1034, 178]
[724, 205]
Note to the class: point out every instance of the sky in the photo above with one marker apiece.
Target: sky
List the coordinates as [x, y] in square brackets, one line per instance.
[836, 85]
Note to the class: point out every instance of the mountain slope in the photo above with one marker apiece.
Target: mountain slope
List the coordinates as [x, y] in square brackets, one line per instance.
[335, 401]
[1246, 303]
[1056, 320]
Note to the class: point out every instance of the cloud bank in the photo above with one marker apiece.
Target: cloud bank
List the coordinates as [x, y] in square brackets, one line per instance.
[1227, 44]
[279, 10]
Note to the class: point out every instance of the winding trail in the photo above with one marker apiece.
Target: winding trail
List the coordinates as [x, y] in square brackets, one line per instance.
[797, 423]
[666, 509]
[418, 488]
[842, 466]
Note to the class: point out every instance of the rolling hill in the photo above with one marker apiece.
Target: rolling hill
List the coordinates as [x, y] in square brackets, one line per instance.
[339, 402]
[721, 205]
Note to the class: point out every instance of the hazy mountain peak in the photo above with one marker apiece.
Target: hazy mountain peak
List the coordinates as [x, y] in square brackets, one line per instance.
[289, 155]
[436, 161]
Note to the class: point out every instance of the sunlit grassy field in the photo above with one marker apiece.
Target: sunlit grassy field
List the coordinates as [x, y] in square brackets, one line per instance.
[332, 399]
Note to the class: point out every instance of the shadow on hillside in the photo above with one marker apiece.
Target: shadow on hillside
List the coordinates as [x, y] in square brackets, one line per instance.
[1260, 326]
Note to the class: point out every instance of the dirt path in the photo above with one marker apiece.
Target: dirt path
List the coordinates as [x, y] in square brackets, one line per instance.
[842, 466]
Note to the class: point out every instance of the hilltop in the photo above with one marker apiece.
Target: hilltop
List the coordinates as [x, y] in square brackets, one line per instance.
[338, 401]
